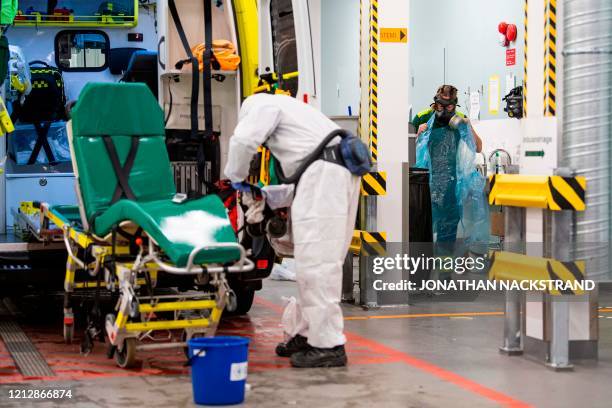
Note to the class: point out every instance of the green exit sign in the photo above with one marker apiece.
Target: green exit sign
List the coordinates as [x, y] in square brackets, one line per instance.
[534, 153]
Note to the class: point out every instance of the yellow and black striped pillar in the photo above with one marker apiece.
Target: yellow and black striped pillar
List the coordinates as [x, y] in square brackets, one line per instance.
[526, 5]
[550, 58]
[374, 183]
[374, 79]
[373, 243]
[360, 66]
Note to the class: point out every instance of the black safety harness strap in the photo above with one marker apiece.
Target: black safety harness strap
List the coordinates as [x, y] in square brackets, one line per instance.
[322, 152]
[209, 146]
[206, 72]
[333, 154]
[195, 74]
[122, 173]
[42, 142]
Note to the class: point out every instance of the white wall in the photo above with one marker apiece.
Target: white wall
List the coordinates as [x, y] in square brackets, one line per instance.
[468, 31]
[340, 56]
[393, 111]
[315, 10]
[456, 42]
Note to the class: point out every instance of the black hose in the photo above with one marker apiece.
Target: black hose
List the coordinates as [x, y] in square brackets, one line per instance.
[171, 102]
[311, 158]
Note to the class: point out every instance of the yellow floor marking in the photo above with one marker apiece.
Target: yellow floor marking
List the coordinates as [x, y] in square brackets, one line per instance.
[451, 315]
[420, 315]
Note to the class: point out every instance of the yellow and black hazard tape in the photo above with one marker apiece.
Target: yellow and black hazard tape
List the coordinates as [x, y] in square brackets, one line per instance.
[374, 184]
[374, 79]
[548, 192]
[373, 243]
[509, 266]
[526, 5]
[360, 66]
[369, 243]
[568, 193]
[40, 84]
[28, 208]
[550, 58]
[565, 272]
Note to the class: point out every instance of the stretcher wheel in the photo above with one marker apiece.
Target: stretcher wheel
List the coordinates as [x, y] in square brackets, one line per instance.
[244, 300]
[232, 301]
[68, 333]
[126, 358]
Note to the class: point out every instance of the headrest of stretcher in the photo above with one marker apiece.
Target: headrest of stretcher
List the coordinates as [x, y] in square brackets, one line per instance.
[117, 109]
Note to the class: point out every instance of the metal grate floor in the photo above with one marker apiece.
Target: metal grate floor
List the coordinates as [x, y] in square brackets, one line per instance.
[27, 358]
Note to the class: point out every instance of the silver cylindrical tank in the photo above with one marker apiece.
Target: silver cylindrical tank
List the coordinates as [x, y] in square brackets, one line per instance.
[587, 126]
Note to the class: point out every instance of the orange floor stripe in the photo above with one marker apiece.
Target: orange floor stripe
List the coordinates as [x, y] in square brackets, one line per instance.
[421, 315]
[397, 355]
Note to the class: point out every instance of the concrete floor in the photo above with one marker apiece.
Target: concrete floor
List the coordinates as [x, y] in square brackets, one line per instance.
[426, 361]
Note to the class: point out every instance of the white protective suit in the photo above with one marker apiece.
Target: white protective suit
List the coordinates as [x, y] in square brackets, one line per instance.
[323, 210]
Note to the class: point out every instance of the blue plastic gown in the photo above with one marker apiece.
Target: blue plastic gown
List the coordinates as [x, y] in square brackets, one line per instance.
[457, 188]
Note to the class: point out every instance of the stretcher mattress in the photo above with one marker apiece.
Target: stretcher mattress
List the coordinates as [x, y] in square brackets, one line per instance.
[124, 174]
[176, 228]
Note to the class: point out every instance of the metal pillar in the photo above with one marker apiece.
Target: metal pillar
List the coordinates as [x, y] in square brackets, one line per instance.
[513, 344]
[347, 279]
[368, 297]
[558, 356]
[561, 246]
[515, 224]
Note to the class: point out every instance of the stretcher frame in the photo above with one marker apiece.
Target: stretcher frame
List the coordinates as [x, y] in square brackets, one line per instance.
[135, 318]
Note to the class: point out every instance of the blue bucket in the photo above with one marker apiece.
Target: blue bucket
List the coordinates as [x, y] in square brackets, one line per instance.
[218, 369]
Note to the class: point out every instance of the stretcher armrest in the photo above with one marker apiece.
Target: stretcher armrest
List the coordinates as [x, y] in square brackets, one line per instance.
[242, 265]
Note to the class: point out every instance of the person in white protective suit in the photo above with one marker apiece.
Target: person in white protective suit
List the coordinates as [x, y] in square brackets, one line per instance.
[323, 215]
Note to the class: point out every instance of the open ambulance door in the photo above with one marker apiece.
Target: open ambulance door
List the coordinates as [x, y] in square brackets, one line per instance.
[201, 107]
[286, 63]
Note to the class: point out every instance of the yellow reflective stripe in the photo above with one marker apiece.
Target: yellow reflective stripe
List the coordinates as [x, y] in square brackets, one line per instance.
[247, 27]
[121, 320]
[94, 284]
[424, 112]
[215, 316]
[356, 242]
[172, 306]
[167, 325]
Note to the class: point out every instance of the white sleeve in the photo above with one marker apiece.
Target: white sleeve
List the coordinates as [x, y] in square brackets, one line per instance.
[250, 133]
[279, 195]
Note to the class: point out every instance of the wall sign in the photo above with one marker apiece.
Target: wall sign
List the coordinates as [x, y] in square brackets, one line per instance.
[394, 35]
[510, 57]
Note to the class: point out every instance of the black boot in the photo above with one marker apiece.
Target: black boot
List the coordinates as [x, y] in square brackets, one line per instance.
[320, 357]
[295, 344]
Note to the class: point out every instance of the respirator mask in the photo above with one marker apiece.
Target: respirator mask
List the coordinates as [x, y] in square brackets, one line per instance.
[444, 116]
[456, 120]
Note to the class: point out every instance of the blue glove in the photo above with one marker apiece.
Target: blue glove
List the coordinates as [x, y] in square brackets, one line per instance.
[242, 187]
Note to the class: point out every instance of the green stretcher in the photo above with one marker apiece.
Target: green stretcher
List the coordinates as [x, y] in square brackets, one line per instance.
[8, 11]
[125, 180]
[130, 226]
